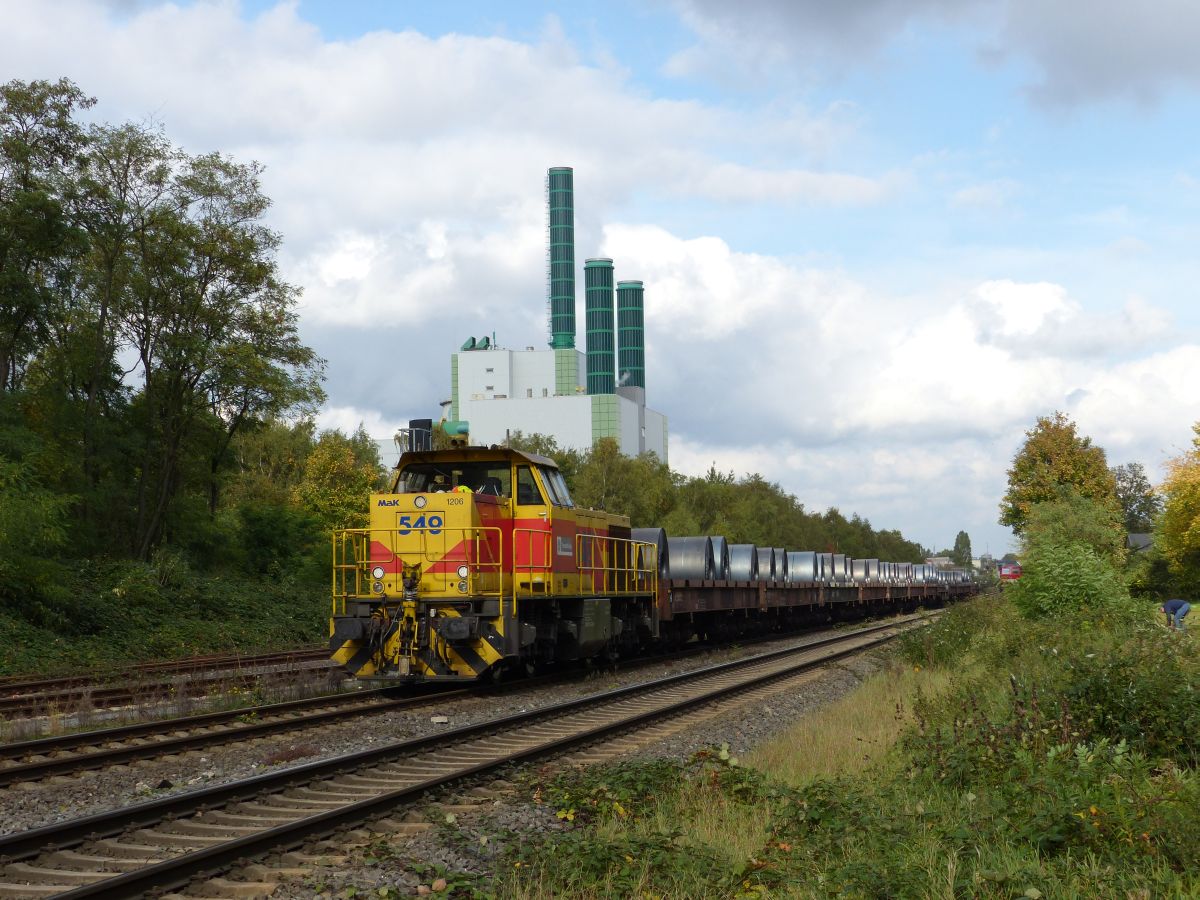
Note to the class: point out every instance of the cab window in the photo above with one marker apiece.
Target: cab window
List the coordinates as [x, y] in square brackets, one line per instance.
[556, 486]
[527, 490]
[481, 477]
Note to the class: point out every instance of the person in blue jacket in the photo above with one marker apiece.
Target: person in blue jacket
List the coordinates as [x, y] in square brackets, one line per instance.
[1175, 610]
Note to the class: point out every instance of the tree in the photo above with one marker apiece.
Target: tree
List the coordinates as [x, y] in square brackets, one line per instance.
[1139, 502]
[1178, 534]
[1054, 455]
[1072, 518]
[336, 484]
[210, 324]
[961, 554]
[40, 145]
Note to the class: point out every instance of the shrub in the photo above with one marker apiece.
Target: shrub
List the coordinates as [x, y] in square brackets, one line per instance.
[1069, 581]
[1142, 691]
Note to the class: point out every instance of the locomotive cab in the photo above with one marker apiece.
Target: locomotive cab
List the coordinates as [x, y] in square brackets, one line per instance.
[476, 558]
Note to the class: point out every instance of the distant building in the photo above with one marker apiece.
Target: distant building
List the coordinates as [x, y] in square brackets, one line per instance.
[942, 562]
[575, 397]
[1139, 543]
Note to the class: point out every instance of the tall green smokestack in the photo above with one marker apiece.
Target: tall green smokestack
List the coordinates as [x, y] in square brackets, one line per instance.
[631, 335]
[601, 346]
[560, 198]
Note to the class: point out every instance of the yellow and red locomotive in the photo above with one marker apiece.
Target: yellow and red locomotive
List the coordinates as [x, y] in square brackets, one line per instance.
[476, 560]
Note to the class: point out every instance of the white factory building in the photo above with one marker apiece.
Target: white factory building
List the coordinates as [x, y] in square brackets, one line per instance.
[575, 397]
[500, 391]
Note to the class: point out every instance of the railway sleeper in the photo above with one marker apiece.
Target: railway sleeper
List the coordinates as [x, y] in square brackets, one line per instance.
[38, 875]
[72, 859]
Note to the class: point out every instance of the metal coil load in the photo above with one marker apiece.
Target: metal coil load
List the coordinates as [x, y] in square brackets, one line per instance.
[825, 567]
[743, 562]
[858, 570]
[781, 564]
[870, 569]
[802, 566]
[657, 537]
[720, 549]
[691, 558]
[839, 567]
[766, 563]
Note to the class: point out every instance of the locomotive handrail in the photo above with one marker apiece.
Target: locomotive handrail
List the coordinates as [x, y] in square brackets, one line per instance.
[530, 566]
[621, 568]
[473, 548]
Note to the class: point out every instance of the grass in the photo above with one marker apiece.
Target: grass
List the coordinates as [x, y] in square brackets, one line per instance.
[854, 732]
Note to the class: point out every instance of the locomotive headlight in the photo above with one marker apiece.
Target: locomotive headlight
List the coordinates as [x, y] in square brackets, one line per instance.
[462, 586]
[420, 502]
[378, 587]
[462, 571]
[377, 573]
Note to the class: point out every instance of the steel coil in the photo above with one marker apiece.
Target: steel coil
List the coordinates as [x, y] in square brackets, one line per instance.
[825, 567]
[720, 550]
[690, 557]
[781, 565]
[657, 537]
[766, 563]
[743, 562]
[802, 566]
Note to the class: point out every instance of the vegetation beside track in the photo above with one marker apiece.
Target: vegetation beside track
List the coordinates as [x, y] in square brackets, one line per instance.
[998, 756]
[103, 615]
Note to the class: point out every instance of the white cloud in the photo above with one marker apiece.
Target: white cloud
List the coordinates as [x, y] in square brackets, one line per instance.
[347, 419]
[991, 195]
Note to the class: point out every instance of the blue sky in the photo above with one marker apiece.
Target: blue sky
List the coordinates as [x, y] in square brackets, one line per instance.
[878, 239]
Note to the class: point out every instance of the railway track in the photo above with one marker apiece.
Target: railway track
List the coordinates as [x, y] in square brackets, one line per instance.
[21, 683]
[163, 844]
[185, 678]
[70, 754]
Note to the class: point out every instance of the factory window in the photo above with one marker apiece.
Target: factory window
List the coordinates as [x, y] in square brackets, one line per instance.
[545, 392]
[490, 371]
[489, 387]
[528, 392]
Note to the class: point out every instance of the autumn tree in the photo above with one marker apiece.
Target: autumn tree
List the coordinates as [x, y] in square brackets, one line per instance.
[1055, 455]
[1178, 534]
[1140, 504]
[338, 480]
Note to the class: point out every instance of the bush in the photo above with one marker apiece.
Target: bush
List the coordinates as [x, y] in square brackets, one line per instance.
[1144, 692]
[1068, 581]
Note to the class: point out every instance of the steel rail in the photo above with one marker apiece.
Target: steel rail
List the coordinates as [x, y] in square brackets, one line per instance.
[10, 683]
[358, 705]
[519, 728]
[102, 696]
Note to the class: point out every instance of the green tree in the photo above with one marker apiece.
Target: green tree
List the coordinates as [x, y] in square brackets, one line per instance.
[40, 146]
[1140, 503]
[1178, 535]
[1072, 518]
[961, 554]
[1054, 455]
[1073, 547]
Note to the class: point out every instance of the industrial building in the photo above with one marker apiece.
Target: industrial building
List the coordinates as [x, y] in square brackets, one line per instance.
[576, 397]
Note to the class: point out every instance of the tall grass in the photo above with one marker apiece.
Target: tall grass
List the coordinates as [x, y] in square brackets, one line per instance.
[853, 733]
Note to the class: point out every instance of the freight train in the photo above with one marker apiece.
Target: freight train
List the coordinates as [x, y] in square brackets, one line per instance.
[476, 562]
